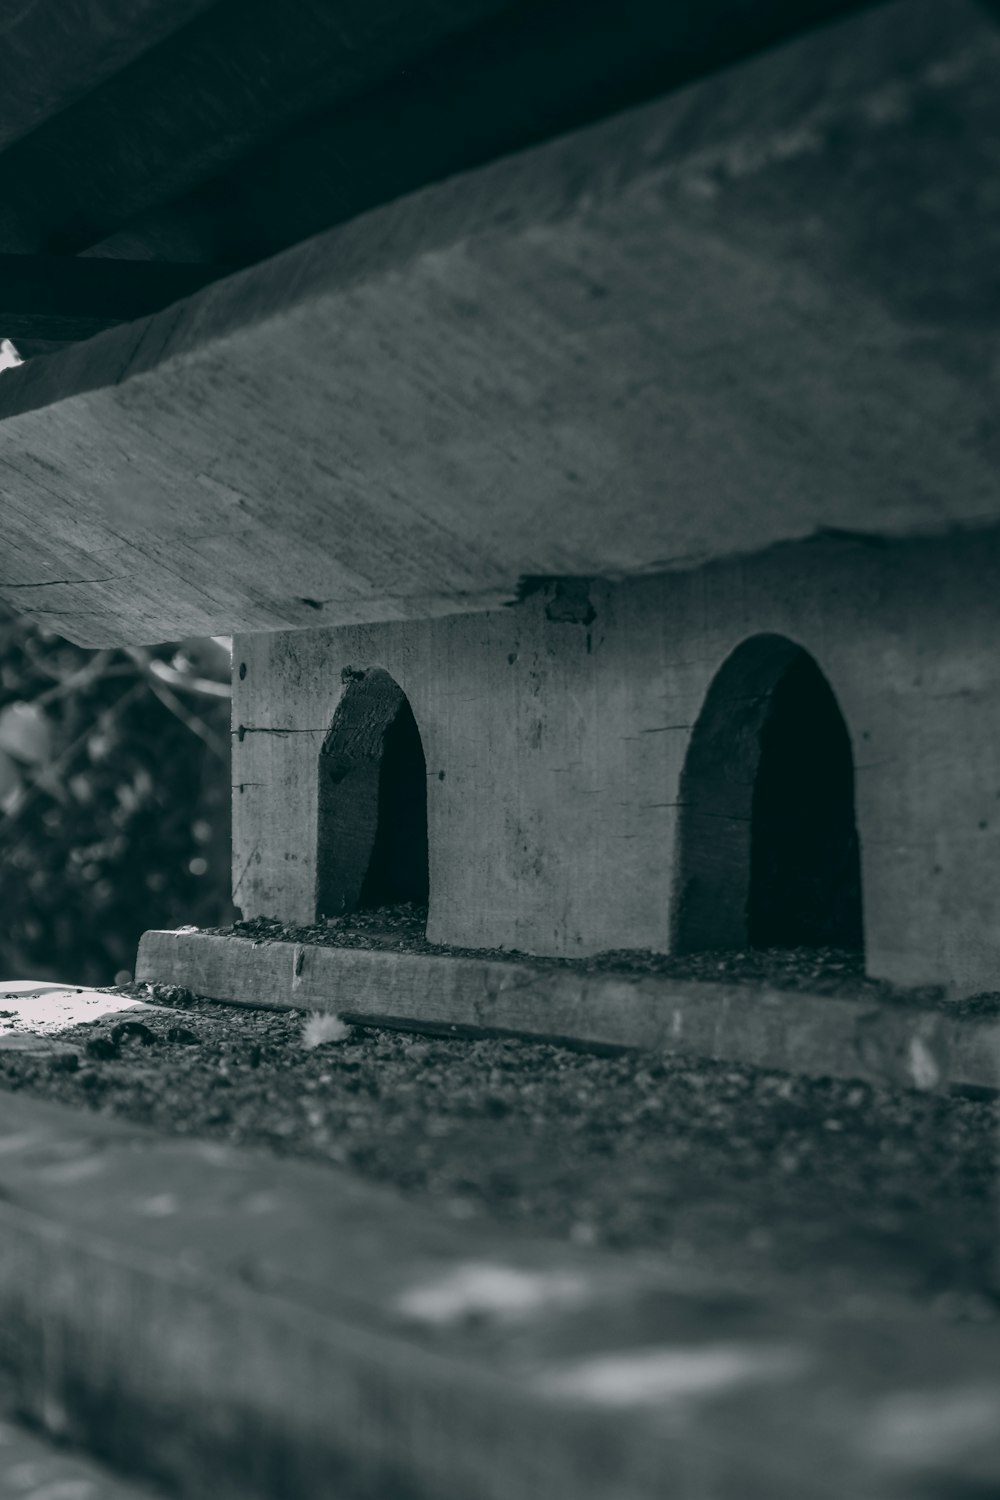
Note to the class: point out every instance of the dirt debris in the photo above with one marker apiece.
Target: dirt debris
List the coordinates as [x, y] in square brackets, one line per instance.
[849, 1193]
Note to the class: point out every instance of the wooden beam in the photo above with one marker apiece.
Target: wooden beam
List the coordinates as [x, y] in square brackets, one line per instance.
[367, 101]
[52, 297]
[757, 310]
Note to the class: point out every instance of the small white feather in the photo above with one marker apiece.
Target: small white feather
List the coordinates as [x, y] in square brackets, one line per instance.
[320, 1028]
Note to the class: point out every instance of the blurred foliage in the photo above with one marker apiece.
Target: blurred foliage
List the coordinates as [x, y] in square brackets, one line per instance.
[114, 800]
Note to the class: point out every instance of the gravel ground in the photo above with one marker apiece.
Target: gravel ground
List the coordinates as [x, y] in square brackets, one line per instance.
[837, 1190]
[821, 971]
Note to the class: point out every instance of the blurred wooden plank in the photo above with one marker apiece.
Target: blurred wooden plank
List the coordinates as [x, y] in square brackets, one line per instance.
[688, 332]
[232, 1324]
[792, 1030]
[64, 297]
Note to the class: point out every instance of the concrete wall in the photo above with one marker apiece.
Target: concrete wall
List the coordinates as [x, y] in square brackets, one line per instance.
[555, 735]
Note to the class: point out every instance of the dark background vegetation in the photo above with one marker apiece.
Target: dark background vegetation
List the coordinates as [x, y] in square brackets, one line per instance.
[114, 800]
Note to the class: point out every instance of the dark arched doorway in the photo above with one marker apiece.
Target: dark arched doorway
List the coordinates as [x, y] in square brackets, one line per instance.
[372, 834]
[768, 847]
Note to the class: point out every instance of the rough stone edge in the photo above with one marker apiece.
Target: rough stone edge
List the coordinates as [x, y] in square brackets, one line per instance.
[793, 1031]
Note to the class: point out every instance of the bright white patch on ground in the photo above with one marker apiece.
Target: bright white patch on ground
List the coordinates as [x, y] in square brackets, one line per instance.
[482, 1290]
[30, 1007]
[639, 1376]
[320, 1028]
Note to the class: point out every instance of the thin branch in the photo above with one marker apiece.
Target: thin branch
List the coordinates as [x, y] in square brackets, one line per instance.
[93, 671]
[208, 687]
[188, 719]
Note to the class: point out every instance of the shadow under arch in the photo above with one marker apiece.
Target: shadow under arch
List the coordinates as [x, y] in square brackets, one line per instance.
[768, 852]
[372, 829]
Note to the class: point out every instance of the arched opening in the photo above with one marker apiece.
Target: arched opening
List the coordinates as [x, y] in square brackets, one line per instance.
[372, 834]
[768, 846]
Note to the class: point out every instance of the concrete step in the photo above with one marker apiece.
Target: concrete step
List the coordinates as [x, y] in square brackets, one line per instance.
[232, 1324]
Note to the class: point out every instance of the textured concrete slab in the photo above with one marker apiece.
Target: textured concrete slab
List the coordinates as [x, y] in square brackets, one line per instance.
[801, 1033]
[689, 331]
[239, 1325]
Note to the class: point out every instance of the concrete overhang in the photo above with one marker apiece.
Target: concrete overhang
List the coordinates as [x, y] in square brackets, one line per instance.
[756, 310]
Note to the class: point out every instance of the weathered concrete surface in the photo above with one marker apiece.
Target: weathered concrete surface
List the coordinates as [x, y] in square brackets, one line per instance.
[239, 1325]
[762, 307]
[815, 1035]
[555, 749]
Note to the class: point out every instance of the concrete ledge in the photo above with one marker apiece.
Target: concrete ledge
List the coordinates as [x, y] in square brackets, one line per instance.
[802, 1033]
[238, 1325]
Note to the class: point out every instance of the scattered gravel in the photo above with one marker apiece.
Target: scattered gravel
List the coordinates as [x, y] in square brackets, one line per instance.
[842, 1190]
[820, 971]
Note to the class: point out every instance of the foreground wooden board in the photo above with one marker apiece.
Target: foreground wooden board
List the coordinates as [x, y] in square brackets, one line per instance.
[816, 1035]
[237, 1325]
[756, 310]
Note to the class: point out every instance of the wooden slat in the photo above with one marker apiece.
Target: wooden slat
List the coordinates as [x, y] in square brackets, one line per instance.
[672, 337]
[792, 1030]
[68, 297]
[233, 1324]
